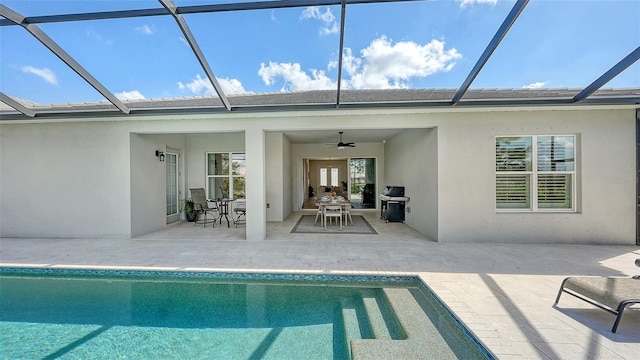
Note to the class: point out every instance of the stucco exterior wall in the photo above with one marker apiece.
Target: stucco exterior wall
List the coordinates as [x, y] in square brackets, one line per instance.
[278, 176]
[91, 178]
[411, 160]
[287, 179]
[65, 180]
[274, 180]
[606, 178]
[148, 180]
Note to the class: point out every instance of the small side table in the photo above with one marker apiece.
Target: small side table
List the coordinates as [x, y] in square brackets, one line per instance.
[223, 206]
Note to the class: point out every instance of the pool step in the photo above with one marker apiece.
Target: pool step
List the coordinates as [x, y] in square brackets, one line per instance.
[369, 316]
[350, 320]
[421, 337]
[375, 317]
[382, 320]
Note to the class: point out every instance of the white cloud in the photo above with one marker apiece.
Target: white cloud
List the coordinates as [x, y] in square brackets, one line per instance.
[465, 3]
[295, 79]
[327, 18]
[144, 29]
[202, 86]
[350, 63]
[130, 95]
[381, 65]
[535, 85]
[198, 86]
[385, 65]
[44, 73]
[232, 86]
[97, 36]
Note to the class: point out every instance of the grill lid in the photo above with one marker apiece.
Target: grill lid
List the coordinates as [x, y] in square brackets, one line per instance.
[393, 191]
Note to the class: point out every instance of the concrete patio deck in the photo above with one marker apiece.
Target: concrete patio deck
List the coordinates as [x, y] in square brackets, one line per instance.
[502, 292]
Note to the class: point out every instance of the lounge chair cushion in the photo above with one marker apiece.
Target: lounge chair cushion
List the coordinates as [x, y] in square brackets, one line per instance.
[609, 291]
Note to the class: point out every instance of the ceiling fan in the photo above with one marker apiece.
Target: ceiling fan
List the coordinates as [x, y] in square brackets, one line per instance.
[342, 145]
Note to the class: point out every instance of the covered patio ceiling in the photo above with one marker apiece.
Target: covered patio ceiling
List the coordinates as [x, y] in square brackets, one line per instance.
[331, 137]
[184, 19]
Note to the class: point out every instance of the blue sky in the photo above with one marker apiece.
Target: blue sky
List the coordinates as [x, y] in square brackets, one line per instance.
[424, 44]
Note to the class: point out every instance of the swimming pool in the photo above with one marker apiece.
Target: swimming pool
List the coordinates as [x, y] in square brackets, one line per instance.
[74, 313]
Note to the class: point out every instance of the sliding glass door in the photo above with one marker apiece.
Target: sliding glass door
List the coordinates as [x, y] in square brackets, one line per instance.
[172, 187]
[363, 182]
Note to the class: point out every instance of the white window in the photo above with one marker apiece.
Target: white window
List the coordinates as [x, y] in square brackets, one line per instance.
[535, 173]
[334, 176]
[226, 175]
[323, 176]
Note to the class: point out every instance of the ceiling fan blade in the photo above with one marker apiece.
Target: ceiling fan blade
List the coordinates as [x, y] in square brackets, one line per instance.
[342, 145]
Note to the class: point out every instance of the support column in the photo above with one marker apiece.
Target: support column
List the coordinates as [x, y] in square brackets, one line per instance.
[637, 177]
[255, 184]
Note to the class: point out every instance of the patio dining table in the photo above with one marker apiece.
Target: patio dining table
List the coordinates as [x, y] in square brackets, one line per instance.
[323, 202]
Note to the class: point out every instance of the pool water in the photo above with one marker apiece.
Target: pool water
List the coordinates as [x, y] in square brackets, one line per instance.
[80, 316]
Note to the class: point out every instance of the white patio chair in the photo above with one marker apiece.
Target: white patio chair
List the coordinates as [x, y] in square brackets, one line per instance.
[346, 212]
[331, 212]
[319, 213]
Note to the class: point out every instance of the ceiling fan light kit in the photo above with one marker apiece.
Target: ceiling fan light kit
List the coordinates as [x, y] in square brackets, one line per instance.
[341, 145]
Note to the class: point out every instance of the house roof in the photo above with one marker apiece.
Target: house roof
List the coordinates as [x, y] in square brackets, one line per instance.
[326, 99]
[37, 26]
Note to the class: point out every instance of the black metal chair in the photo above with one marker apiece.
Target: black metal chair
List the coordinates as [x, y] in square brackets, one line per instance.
[241, 212]
[201, 206]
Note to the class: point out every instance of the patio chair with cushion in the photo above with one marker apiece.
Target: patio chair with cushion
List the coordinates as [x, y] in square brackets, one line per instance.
[201, 206]
[612, 294]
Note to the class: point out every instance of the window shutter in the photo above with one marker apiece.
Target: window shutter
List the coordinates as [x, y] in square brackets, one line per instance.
[513, 154]
[334, 176]
[555, 153]
[554, 191]
[535, 172]
[512, 191]
[323, 176]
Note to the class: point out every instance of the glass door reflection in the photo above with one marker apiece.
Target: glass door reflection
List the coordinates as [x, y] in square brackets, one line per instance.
[363, 183]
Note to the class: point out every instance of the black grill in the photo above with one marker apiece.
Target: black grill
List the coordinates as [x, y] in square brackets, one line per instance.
[393, 191]
[392, 203]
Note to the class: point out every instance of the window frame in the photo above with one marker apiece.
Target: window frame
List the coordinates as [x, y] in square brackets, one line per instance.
[335, 175]
[230, 176]
[323, 177]
[172, 205]
[534, 174]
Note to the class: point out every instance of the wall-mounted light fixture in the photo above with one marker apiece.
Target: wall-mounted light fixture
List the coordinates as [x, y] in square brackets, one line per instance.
[160, 155]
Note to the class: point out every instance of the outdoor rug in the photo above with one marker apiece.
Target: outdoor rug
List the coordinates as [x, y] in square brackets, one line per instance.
[306, 225]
